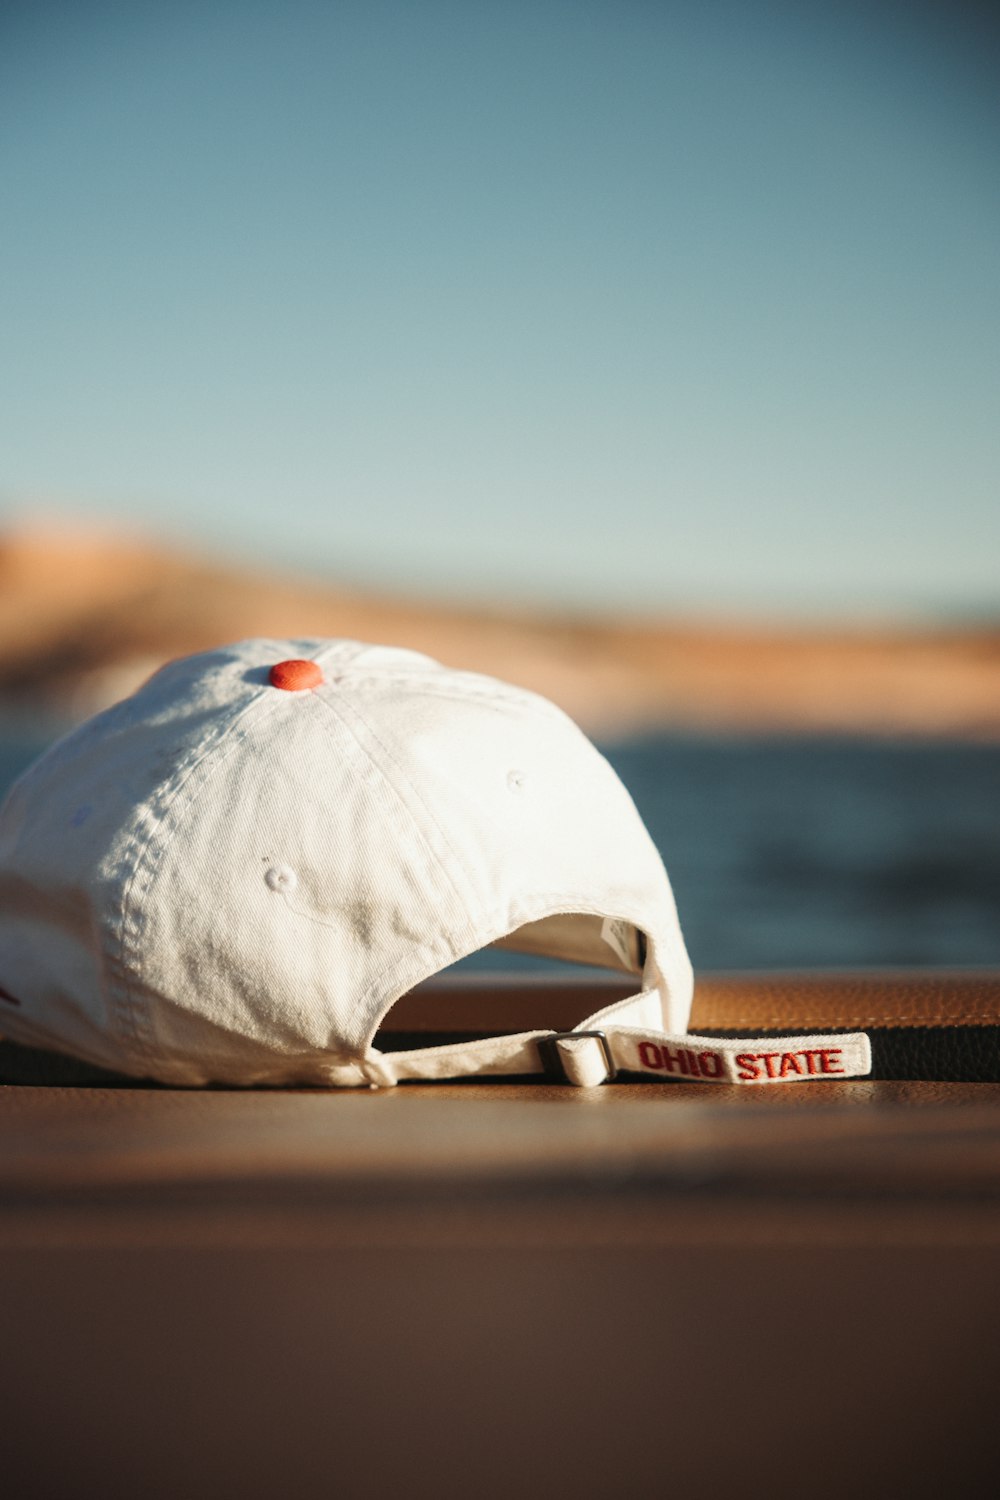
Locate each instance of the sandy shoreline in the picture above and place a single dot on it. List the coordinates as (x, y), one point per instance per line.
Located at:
(84, 618)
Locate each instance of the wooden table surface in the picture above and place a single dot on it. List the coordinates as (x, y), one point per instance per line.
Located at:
(485, 1289)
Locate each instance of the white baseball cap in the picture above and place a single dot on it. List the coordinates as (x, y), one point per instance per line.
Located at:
(232, 876)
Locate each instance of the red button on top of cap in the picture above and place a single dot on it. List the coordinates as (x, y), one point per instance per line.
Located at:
(294, 675)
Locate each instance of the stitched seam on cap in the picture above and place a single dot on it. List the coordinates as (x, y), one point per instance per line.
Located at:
(480, 689)
(130, 944)
(342, 712)
(335, 653)
(126, 963)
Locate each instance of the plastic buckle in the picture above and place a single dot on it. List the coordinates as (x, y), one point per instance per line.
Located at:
(552, 1059)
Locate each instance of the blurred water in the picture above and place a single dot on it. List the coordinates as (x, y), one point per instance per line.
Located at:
(16, 752)
(825, 852)
(803, 853)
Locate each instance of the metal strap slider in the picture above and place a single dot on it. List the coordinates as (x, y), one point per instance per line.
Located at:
(553, 1062)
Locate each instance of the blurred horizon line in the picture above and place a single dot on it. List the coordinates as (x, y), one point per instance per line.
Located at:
(36, 519)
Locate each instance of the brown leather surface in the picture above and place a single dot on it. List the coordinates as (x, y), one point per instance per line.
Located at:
(852, 1160)
(484, 1004)
(493, 1290)
(449, 1371)
(445, 1290)
(734, 1002)
(858, 1001)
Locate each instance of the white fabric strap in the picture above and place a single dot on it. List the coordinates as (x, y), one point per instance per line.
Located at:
(610, 1042)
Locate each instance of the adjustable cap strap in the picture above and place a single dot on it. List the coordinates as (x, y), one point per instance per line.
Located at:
(772, 1059)
(488, 1057)
(633, 1045)
(588, 1056)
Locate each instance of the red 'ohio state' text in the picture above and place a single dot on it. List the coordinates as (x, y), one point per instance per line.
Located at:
(752, 1067)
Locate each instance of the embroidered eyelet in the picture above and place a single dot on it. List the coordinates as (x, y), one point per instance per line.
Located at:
(281, 878)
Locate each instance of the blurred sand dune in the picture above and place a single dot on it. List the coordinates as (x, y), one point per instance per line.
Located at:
(85, 617)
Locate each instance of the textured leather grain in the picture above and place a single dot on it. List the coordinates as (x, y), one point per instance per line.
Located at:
(504, 1288)
(883, 999)
(846, 1142)
(923, 1024)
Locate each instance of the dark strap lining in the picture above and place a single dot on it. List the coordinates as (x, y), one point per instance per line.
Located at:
(944, 1054)
(941, 1054)
(32, 1066)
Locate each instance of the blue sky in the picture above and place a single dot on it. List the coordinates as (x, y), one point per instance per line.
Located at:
(665, 307)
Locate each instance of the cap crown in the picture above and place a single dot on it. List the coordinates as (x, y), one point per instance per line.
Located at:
(222, 880)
